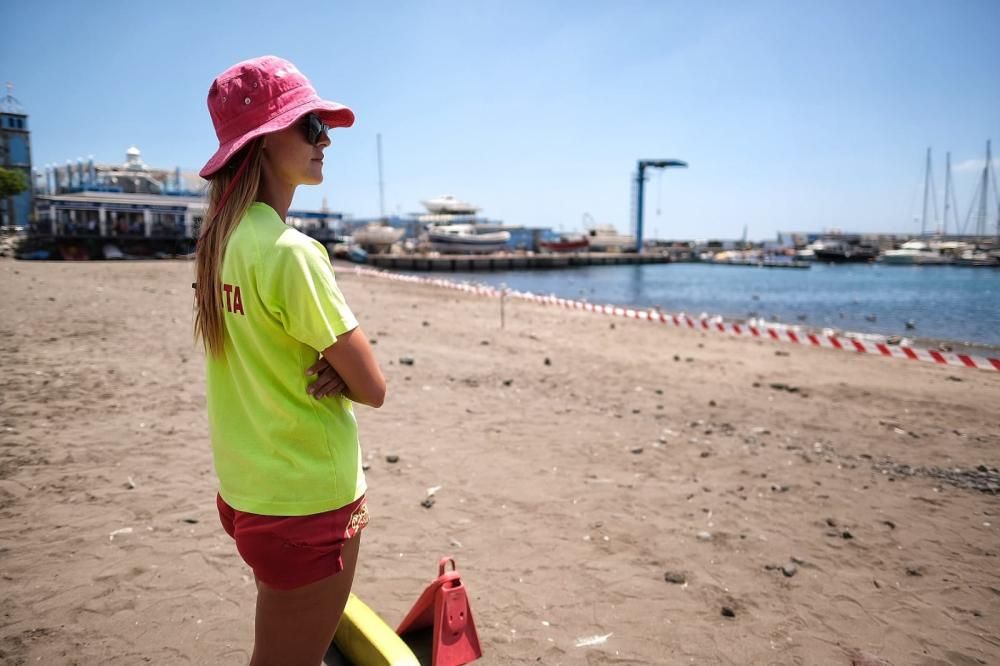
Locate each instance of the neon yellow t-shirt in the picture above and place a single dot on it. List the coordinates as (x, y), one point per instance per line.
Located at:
(278, 451)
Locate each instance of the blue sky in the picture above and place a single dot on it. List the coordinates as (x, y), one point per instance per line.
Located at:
(792, 115)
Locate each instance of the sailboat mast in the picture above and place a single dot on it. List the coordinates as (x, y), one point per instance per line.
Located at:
(981, 217)
(381, 195)
(927, 189)
(996, 193)
(947, 190)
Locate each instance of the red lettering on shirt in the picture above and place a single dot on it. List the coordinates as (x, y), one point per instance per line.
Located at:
(237, 301)
(234, 299)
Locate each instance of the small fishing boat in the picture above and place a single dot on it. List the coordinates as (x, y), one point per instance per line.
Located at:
(605, 238)
(465, 239)
(565, 243)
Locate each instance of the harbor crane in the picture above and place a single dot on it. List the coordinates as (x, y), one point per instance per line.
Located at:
(640, 184)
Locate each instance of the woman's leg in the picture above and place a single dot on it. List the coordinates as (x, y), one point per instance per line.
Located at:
(295, 627)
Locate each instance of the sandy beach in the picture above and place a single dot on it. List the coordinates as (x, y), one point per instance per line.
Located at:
(811, 506)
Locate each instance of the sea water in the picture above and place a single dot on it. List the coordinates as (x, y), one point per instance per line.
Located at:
(939, 302)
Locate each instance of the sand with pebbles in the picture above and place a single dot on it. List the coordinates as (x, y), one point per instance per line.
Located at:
(579, 463)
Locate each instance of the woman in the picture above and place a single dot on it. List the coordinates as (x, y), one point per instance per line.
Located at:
(291, 488)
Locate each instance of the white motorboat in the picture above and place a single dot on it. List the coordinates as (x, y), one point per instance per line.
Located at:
(915, 252)
(465, 239)
(447, 204)
(977, 258)
(808, 253)
(377, 236)
(605, 238)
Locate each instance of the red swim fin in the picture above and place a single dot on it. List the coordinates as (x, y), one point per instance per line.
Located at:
(444, 605)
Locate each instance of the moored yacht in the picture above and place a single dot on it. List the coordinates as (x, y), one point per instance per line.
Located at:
(841, 252)
(915, 252)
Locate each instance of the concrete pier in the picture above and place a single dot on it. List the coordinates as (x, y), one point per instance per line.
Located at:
(488, 262)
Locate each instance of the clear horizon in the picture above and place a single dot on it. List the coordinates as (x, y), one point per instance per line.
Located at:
(792, 118)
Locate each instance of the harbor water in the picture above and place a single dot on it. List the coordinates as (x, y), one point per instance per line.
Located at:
(940, 302)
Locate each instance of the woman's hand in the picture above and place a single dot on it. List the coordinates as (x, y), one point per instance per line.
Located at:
(328, 381)
(355, 362)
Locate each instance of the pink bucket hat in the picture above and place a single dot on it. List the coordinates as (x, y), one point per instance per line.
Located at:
(260, 96)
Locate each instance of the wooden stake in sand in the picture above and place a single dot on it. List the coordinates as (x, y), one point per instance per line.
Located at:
(503, 301)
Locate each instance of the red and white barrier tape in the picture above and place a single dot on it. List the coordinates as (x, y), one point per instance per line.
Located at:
(767, 331)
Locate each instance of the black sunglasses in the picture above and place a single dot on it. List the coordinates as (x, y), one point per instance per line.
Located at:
(314, 128)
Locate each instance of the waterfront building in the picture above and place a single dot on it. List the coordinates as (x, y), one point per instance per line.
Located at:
(145, 209)
(15, 155)
(127, 200)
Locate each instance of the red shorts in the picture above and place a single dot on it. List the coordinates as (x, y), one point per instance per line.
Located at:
(286, 552)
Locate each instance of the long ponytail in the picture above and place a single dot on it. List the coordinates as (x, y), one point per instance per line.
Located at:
(241, 179)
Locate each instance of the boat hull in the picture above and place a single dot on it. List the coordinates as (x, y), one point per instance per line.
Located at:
(603, 246)
(468, 243)
(842, 258)
(384, 236)
(604, 238)
(564, 246)
(466, 247)
(978, 261)
(913, 260)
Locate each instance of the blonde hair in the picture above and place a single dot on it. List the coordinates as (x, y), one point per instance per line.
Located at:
(216, 229)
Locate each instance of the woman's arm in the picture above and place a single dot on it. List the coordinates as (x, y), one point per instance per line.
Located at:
(353, 359)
